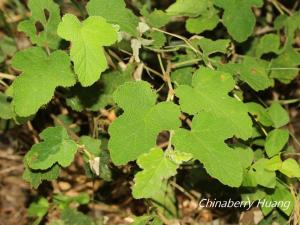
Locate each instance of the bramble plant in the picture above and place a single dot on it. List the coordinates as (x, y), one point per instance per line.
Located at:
(164, 97)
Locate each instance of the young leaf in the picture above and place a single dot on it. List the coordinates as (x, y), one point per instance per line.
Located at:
(73, 217)
(115, 12)
(281, 195)
(209, 92)
(36, 177)
(209, 46)
(142, 220)
(41, 74)
(157, 18)
(206, 143)
(260, 113)
(57, 147)
(278, 115)
(262, 175)
(39, 208)
(156, 167)
(208, 20)
(88, 39)
(290, 168)
(238, 17)
(92, 145)
(275, 141)
(190, 8)
(135, 132)
(47, 14)
(268, 43)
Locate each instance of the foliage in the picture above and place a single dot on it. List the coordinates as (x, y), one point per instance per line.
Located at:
(169, 100)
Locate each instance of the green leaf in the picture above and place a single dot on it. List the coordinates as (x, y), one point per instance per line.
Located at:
(178, 157)
(281, 197)
(157, 18)
(142, 120)
(263, 176)
(290, 168)
(238, 17)
(284, 195)
(209, 93)
(275, 141)
(278, 115)
(209, 46)
(206, 143)
(39, 208)
(253, 71)
(191, 8)
(64, 201)
(266, 44)
(260, 113)
(285, 67)
(104, 170)
(57, 147)
(6, 111)
(245, 156)
(182, 76)
(158, 38)
(147, 220)
(274, 163)
(87, 40)
(208, 20)
(36, 177)
(115, 12)
(73, 217)
(47, 14)
(165, 201)
(41, 74)
(142, 220)
(156, 168)
(99, 95)
(7, 47)
(291, 25)
(91, 144)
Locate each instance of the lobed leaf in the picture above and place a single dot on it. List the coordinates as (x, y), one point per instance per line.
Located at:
(42, 25)
(88, 39)
(156, 168)
(57, 147)
(41, 74)
(209, 93)
(115, 12)
(136, 130)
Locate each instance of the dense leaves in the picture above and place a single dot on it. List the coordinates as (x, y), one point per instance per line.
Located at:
(163, 97)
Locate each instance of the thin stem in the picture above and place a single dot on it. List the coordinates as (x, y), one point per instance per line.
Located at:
(185, 63)
(277, 6)
(7, 76)
(181, 189)
(167, 78)
(73, 135)
(181, 38)
(154, 71)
